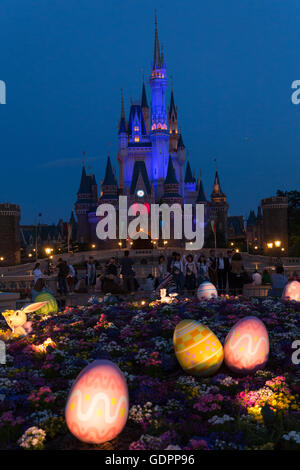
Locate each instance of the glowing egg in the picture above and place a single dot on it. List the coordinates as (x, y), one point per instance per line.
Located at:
(198, 350)
(97, 405)
(292, 291)
(51, 306)
(206, 290)
(246, 347)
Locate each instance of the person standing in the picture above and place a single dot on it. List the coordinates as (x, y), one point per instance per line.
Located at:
(212, 267)
(71, 278)
(228, 270)
(190, 272)
(176, 268)
(257, 278)
(63, 271)
(202, 268)
(221, 274)
(37, 272)
(91, 272)
(127, 272)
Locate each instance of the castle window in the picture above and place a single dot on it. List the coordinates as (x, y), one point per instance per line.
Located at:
(136, 138)
(136, 128)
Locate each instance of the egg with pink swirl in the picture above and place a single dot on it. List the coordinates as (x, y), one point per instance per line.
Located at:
(97, 405)
(292, 291)
(246, 347)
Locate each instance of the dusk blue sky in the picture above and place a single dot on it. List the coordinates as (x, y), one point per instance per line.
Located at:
(64, 62)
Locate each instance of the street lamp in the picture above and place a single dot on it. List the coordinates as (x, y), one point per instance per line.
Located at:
(2, 258)
(48, 250)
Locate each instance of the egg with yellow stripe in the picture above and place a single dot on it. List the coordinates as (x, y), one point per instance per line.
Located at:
(198, 350)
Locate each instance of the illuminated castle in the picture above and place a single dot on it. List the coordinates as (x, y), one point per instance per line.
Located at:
(152, 163)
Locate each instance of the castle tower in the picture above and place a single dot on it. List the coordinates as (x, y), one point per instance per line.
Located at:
(275, 221)
(9, 234)
(173, 125)
(159, 130)
(145, 108)
(123, 144)
(85, 203)
(171, 196)
(219, 211)
(201, 199)
(108, 195)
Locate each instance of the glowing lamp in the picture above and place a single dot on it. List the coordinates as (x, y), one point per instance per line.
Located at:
(198, 350)
(277, 243)
(246, 347)
(292, 291)
(207, 290)
(97, 405)
(270, 245)
(51, 305)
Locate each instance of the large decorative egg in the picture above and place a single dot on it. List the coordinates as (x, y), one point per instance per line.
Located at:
(198, 350)
(246, 347)
(292, 291)
(207, 290)
(97, 405)
(50, 307)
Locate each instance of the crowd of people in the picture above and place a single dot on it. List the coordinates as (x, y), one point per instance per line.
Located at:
(185, 272)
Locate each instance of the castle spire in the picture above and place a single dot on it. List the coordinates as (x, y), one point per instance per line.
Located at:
(110, 178)
(156, 58)
(144, 102)
(122, 123)
(201, 193)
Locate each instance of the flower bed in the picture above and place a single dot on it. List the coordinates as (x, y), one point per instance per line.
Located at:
(168, 408)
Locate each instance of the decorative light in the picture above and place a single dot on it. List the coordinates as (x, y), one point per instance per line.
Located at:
(48, 250)
(256, 247)
(97, 405)
(30, 255)
(93, 245)
(246, 347)
(282, 249)
(140, 193)
(270, 245)
(165, 242)
(277, 243)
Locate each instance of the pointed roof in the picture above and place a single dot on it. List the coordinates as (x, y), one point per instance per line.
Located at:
(217, 185)
(136, 109)
(109, 179)
(72, 220)
(189, 178)
(251, 219)
(180, 144)
(85, 183)
(259, 213)
(122, 123)
(156, 57)
(140, 169)
(144, 102)
(201, 194)
(171, 175)
(172, 103)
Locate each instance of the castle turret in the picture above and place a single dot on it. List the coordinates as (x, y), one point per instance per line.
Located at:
(159, 130)
(219, 211)
(9, 234)
(145, 107)
(84, 204)
(123, 143)
(173, 124)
